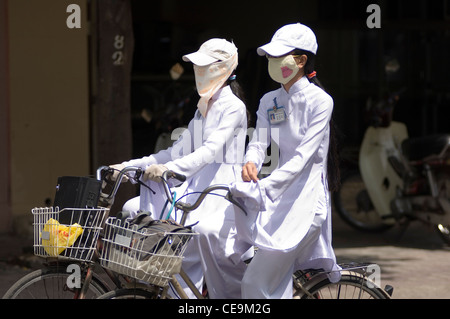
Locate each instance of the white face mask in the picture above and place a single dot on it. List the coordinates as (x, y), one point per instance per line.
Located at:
(210, 78)
(283, 69)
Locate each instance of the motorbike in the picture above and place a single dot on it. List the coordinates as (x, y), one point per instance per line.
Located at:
(397, 179)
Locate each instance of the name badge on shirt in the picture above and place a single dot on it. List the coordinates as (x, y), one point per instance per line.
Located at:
(277, 114)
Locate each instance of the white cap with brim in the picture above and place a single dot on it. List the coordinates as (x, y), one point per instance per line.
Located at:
(199, 58)
(288, 38)
(211, 51)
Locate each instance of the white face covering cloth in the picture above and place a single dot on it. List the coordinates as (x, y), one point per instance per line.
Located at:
(283, 69)
(210, 78)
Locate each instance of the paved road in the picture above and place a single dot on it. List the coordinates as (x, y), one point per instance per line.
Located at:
(417, 264)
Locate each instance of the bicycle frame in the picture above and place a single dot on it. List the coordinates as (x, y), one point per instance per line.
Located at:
(186, 209)
(108, 199)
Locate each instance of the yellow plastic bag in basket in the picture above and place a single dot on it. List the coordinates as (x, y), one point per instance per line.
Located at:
(56, 237)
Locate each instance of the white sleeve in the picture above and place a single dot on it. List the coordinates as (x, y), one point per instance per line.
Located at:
(282, 178)
(256, 149)
(213, 146)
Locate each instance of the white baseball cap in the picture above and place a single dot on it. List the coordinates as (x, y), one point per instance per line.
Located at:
(288, 38)
(212, 51)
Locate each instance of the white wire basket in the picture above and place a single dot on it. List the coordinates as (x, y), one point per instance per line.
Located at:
(70, 233)
(146, 255)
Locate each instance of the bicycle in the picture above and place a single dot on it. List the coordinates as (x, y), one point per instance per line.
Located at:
(53, 280)
(71, 270)
(355, 280)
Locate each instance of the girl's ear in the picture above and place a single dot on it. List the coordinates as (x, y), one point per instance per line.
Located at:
(301, 60)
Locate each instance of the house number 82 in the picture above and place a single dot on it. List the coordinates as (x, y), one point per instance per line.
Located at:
(119, 43)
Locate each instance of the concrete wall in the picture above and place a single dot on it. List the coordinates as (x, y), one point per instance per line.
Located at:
(48, 102)
(5, 194)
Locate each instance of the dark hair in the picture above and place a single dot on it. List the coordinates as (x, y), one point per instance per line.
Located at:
(333, 171)
(239, 92)
(236, 87)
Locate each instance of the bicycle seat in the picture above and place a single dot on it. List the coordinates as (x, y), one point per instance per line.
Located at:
(421, 147)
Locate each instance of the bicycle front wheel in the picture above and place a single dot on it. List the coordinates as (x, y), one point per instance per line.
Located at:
(53, 283)
(349, 287)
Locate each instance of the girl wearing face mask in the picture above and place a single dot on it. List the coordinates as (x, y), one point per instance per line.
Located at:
(209, 152)
(289, 212)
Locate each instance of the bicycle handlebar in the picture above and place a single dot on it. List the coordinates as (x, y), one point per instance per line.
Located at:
(109, 199)
(185, 207)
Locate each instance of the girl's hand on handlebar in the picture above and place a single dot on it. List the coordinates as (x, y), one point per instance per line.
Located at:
(154, 172)
(116, 170)
(250, 172)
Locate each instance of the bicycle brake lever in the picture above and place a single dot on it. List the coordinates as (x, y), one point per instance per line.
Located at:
(138, 173)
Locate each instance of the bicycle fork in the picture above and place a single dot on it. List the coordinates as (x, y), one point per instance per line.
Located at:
(86, 283)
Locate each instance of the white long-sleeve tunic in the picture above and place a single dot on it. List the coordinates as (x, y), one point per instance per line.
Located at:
(283, 206)
(210, 151)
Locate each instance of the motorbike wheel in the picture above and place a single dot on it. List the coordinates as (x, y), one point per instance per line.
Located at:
(354, 206)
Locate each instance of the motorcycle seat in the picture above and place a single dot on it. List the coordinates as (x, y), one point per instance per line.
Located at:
(419, 148)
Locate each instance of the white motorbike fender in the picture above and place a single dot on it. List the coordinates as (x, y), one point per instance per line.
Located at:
(379, 177)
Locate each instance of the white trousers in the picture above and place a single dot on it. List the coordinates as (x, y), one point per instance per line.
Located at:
(269, 274)
(222, 257)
